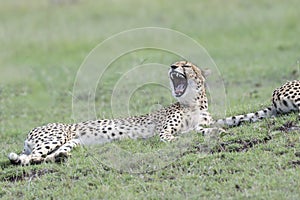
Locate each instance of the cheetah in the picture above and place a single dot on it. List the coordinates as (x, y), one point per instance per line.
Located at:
(54, 141)
(285, 99)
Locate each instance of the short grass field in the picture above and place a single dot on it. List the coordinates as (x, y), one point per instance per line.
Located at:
(255, 46)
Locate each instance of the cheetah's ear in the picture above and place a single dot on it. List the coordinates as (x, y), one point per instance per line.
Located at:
(206, 72)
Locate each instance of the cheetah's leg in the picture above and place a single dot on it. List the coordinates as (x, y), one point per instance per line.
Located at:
(24, 159)
(63, 151)
(21, 159)
(34, 154)
(166, 135)
(207, 131)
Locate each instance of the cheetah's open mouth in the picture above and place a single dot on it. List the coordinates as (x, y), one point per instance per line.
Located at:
(179, 83)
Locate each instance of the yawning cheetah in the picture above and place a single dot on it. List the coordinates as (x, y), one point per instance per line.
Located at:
(56, 140)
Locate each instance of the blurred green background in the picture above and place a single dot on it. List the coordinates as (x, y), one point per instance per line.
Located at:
(255, 45)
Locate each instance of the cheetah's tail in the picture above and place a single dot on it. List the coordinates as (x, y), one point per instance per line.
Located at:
(250, 117)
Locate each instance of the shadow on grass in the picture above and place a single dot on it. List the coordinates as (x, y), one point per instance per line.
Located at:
(14, 175)
(240, 145)
(5, 164)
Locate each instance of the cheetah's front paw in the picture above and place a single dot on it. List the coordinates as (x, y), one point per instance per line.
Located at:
(57, 157)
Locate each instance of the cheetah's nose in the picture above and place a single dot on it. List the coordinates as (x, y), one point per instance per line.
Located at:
(174, 66)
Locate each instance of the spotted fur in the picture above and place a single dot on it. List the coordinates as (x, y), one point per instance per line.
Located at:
(54, 141)
(284, 100)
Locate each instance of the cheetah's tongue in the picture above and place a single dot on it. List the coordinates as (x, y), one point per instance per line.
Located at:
(179, 89)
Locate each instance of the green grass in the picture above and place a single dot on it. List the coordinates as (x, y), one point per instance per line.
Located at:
(255, 45)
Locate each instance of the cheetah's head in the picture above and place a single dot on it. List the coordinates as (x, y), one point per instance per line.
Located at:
(187, 82)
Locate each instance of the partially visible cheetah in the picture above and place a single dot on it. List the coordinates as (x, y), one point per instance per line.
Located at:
(285, 99)
(56, 140)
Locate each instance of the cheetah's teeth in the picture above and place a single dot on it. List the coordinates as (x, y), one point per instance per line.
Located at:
(176, 75)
